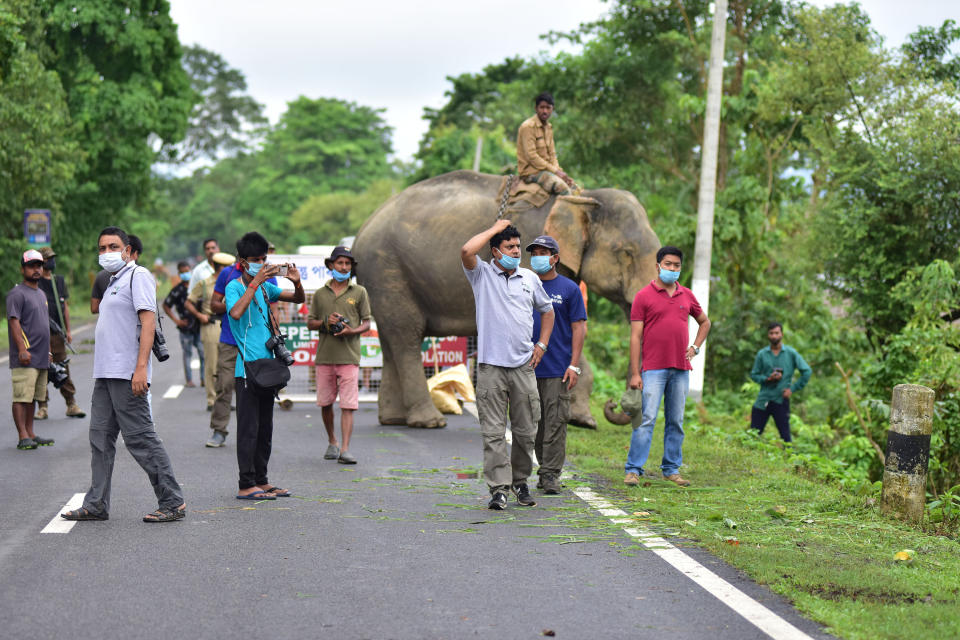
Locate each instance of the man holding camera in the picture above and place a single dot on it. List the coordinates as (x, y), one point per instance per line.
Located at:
(28, 331)
(248, 301)
(773, 370)
(340, 311)
(55, 288)
(124, 339)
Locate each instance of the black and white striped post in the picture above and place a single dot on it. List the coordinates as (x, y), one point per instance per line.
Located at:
(908, 451)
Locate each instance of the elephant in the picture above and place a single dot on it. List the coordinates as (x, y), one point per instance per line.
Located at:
(408, 258)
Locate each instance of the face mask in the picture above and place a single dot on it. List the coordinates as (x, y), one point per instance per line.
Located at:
(340, 277)
(669, 277)
(508, 262)
(540, 264)
(112, 261)
(50, 264)
(253, 268)
(185, 276)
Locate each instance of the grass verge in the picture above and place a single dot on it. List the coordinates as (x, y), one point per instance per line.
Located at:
(829, 552)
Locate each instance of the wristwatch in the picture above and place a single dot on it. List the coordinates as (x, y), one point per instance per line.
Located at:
(696, 349)
(576, 370)
(542, 346)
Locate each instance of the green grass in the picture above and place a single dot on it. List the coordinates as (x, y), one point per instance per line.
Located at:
(828, 551)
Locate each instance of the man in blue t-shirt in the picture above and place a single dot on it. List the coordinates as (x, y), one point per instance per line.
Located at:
(226, 358)
(559, 368)
(247, 302)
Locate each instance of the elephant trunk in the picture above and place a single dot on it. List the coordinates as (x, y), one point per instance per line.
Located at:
(612, 415)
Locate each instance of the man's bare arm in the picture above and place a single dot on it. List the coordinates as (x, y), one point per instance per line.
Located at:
(469, 251)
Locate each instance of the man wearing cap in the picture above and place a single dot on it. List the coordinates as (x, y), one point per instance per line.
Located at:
(205, 267)
(198, 305)
(660, 364)
(340, 311)
(536, 155)
(55, 288)
(187, 325)
(559, 369)
(28, 331)
(506, 296)
(226, 356)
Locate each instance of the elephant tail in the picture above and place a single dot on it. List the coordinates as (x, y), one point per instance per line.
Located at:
(612, 415)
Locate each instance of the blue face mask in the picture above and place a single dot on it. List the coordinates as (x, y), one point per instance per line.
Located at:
(669, 277)
(253, 268)
(185, 276)
(540, 264)
(508, 262)
(340, 277)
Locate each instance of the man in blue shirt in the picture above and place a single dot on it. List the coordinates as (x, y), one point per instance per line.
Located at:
(248, 313)
(559, 368)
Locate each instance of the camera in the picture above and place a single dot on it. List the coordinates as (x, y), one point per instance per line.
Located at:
(159, 347)
(57, 373)
(277, 344)
(340, 325)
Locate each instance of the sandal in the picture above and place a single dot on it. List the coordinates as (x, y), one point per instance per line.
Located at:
(165, 514)
(278, 492)
(256, 495)
(82, 514)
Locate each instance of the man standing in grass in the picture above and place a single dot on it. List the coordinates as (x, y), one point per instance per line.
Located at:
(658, 337)
(773, 370)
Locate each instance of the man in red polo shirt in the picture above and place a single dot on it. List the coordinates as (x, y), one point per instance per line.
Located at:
(658, 324)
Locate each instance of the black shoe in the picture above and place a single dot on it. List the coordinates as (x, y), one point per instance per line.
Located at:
(550, 483)
(523, 495)
(498, 502)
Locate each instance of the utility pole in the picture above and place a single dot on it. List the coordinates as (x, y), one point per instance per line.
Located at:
(703, 251)
(479, 152)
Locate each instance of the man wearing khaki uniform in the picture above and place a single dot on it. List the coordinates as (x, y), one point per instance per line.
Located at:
(198, 304)
(506, 296)
(536, 155)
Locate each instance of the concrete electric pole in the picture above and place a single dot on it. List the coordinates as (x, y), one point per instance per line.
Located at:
(708, 187)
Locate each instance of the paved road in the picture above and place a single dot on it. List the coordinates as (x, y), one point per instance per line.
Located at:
(400, 546)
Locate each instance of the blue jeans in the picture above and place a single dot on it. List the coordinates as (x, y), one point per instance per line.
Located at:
(187, 342)
(670, 384)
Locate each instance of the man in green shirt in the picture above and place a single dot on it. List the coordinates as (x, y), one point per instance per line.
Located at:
(773, 370)
(340, 311)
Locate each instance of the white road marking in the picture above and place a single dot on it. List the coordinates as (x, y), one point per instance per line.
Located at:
(173, 392)
(58, 524)
(195, 363)
(754, 612)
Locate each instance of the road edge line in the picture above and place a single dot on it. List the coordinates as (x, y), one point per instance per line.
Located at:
(58, 524)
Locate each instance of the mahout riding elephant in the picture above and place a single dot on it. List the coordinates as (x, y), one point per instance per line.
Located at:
(408, 258)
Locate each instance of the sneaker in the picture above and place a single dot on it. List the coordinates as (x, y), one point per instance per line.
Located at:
(40, 413)
(216, 440)
(631, 479)
(550, 483)
(523, 495)
(27, 443)
(74, 411)
(43, 442)
(333, 452)
(498, 502)
(346, 457)
(676, 479)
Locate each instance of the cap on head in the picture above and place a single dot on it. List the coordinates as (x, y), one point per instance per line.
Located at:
(546, 242)
(31, 255)
(47, 252)
(223, 258)
(339, 251)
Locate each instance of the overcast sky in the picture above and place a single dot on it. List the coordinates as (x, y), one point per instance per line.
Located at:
(396, 54)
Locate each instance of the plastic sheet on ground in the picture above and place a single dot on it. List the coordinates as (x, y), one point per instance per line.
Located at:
(445, 386)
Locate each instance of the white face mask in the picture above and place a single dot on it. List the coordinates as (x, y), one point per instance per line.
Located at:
(112, 261)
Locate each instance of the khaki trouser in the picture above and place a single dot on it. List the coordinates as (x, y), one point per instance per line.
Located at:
(210, 337)
(500, 388)
(551, 441)
(551, 182)
(58, 349)
(226, 363)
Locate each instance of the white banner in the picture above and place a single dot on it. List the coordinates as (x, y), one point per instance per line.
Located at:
(313, 273)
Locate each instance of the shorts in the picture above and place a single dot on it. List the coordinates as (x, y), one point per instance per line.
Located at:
(338, 379)
(29, 384)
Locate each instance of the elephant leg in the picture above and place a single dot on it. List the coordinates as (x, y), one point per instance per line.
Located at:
(390, 399)
(580, 415)
(401, 345)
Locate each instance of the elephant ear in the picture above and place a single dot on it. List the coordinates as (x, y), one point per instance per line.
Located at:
(567, 223)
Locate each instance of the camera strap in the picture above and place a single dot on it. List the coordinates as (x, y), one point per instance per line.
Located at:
(155, 310)
(273, 325)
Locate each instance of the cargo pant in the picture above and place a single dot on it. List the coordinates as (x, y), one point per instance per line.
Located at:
(226, 381)
(503, 391)
(551, 182)
(210, 337)
(551, 440)
(58, 349)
